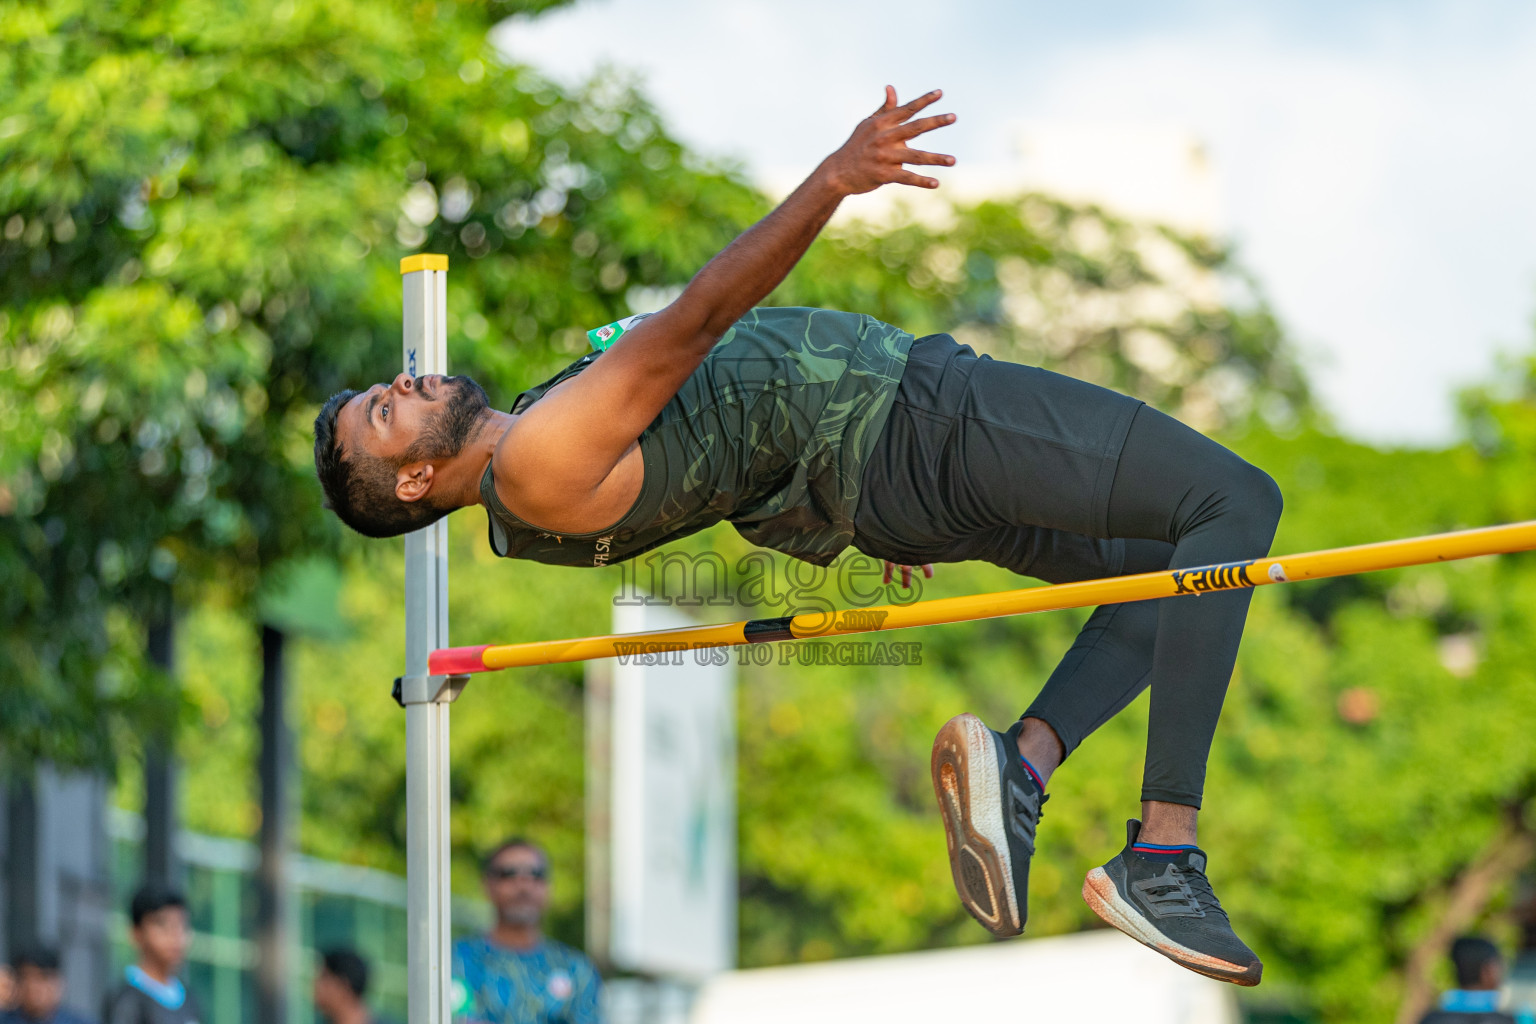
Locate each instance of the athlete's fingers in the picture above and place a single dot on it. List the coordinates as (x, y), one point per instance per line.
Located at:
(889, 103)
(922, 101)
(922, 124)
(906, 572)
(905, 177)
(922, 156)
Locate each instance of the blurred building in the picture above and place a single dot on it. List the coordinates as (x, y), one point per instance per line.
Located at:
(55, 882)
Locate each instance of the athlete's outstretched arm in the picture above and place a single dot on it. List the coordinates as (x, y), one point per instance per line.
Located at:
(568, 442)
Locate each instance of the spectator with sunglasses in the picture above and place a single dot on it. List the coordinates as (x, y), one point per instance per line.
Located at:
(515, 974)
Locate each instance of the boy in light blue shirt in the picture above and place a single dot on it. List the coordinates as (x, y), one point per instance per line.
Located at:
(1477, 997)
(153, 994)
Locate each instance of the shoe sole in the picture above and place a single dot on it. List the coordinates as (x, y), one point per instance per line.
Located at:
(1103, 898)
(968, 786)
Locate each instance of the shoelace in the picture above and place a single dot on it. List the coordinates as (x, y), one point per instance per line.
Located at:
(1199, 888)
(1170, 893)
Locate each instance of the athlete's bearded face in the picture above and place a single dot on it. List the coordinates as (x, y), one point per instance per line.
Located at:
(413, 419)
(450, 420)
(377, 452)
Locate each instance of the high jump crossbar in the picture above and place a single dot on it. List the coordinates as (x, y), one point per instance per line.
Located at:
(1312, 565)
(437, 673)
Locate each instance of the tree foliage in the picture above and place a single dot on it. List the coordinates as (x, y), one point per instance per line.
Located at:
(202, 208)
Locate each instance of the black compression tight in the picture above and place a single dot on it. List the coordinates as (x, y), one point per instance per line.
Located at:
(1180, 500)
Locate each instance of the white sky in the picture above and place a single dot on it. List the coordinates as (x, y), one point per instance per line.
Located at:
(1375, 161)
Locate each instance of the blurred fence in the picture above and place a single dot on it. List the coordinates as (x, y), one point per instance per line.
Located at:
(333, 905)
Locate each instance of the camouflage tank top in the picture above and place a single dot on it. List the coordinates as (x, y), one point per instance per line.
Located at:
(770, 433)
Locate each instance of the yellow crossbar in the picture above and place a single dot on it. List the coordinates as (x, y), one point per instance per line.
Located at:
(1313, 565)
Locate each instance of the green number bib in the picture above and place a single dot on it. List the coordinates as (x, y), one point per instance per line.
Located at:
(603, 338)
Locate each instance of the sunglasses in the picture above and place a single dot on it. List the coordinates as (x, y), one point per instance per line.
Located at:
(514, 871)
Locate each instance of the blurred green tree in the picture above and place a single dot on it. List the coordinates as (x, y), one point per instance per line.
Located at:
(201, 210)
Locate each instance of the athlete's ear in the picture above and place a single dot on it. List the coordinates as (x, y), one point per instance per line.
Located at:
(414, 481)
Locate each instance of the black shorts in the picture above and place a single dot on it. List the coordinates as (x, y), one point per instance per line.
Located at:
(995, 461)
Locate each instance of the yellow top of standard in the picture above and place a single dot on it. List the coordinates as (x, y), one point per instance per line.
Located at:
(424, 261)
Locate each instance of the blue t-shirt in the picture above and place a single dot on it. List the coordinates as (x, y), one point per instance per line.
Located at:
(550, 984)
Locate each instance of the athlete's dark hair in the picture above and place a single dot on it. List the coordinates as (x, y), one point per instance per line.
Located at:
(1471, 954)
(151, 899)
(349, 967)
(513, 843)
(360, 488)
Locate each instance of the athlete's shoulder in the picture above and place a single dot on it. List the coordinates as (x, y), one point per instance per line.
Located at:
(526, 398)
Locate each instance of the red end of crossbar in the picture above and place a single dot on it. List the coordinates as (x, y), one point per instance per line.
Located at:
(455, 661)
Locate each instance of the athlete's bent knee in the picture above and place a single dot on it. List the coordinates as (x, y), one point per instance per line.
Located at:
(1264, 494)
(1256, 498)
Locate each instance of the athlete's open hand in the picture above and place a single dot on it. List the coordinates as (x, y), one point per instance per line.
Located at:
(877, 151)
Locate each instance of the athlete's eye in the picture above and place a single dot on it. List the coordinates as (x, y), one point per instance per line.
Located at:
(384, 412)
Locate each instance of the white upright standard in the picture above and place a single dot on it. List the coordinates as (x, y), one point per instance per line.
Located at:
(426, 698)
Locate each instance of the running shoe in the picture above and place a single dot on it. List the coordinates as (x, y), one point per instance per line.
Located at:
(991, 805)
(1168, 904)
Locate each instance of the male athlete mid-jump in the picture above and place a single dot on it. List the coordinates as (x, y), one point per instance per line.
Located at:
(812, 430)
